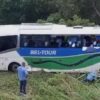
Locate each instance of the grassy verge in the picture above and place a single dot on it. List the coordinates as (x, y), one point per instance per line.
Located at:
(47, 86)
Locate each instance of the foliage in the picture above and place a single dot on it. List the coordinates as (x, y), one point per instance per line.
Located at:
(56, 11)
(76, 20)
(41, 21)
(54, 18)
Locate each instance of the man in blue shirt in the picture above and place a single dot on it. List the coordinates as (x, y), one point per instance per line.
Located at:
(22, 76)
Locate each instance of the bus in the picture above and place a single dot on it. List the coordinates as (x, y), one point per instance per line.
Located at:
(50, 47)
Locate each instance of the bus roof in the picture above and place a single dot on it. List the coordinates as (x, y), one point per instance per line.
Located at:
(8, 30)
(43, 29)
(47, 28)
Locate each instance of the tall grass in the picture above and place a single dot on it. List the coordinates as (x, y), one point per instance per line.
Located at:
(47, 86)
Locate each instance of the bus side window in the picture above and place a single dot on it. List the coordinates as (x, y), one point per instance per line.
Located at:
(8, 42)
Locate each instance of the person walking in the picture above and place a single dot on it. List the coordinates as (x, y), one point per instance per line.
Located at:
(22, 76)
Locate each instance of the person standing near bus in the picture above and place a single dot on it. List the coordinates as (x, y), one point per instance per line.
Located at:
(22, 76)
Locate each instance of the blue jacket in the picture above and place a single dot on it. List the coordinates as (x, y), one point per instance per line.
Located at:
(22, 73)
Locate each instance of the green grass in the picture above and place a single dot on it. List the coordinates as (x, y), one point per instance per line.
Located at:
(47, 86)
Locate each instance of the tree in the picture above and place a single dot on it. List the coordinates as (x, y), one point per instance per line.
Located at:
(54, 18)
(79, 21)
(67, 8)
(90, 9)
(57, 11)
(9, 11)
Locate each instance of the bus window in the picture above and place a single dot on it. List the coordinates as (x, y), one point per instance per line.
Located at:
(35, 41)
(57, 41)
(8, 42)
(50, 41)
(74, 41)
(98, 40)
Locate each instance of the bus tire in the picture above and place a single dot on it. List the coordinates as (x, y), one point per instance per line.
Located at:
(13, 66)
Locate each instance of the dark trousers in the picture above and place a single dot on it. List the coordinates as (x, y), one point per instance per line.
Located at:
(23, 86)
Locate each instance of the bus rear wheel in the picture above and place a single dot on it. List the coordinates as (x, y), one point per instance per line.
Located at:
(13, 67)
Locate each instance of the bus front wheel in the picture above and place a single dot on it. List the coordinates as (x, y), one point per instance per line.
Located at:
(13, 67)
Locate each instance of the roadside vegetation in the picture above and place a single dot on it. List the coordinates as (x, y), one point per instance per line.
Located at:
(48, 86)
(69, 12)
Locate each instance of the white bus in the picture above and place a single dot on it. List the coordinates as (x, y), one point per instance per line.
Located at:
(50, 47)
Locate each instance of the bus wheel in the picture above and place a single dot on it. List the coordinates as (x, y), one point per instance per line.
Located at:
(13, 67)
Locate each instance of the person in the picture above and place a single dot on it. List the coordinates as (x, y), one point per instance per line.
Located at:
(91, 76)
(22, 76)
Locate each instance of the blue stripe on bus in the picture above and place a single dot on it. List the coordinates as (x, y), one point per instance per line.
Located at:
(50, 52)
